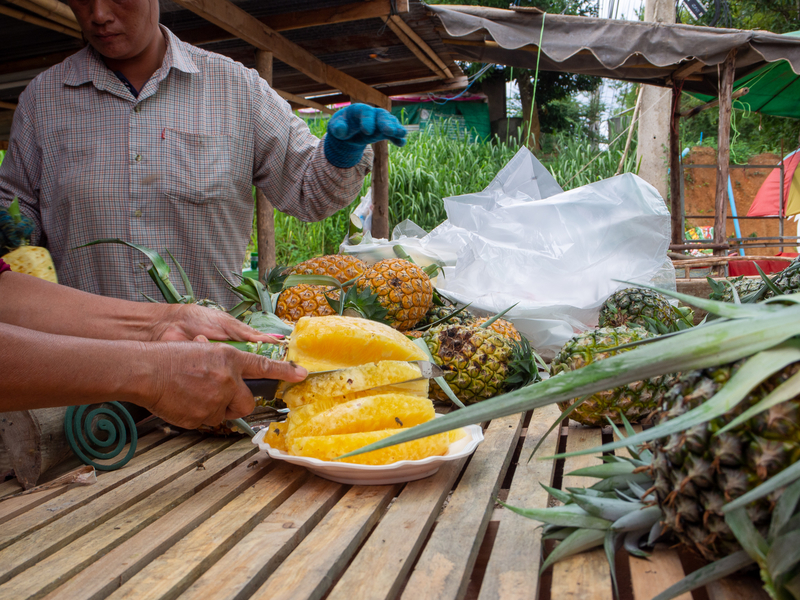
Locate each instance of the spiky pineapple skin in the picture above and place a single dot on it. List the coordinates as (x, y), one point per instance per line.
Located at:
(403, 289)
(32, 260)
(696, 471)
(787, 280)
(637, 400)
(343, 267)
(304, 300)
(630, 307)
(476, 361)
(501, 326)
(437, 313)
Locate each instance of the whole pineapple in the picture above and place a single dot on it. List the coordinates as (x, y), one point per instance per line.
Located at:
(342, 267)
(695, 473)
(743, 285)
(477, 361)
(637, 400)
(305, 300)
(633, 306)
(402, 288)
(502, 327)
(15, 232)
(788, 280)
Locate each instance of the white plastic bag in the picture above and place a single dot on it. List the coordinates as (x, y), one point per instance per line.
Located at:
(556, 257)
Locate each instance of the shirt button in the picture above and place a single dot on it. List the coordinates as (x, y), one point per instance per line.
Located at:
(137, 108)
(138, 158)
(137, 213)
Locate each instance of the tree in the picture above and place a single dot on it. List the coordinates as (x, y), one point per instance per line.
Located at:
(550, 86)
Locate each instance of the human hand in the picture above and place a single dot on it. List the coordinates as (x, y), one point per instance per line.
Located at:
(187, 322)
(355, 126)
(202, 383)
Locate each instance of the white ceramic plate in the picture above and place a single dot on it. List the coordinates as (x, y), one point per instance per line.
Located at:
(404, 470)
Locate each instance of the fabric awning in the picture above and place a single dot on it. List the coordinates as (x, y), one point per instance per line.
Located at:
(652, 53)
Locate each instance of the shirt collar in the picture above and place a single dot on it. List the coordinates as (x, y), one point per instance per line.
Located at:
(87, 66)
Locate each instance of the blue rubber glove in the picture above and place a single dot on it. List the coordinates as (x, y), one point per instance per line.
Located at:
(353, 127)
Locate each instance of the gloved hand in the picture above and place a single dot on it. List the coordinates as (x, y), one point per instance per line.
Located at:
(353, 127)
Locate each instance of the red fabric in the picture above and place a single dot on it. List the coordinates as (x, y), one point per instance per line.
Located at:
(4, 266)
(748, 267)
(768, 198)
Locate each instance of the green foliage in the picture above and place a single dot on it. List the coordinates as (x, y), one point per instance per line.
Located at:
(2, 156)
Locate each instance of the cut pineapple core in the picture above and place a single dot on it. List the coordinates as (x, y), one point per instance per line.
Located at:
(334, 342)
(329, 447)
(356, 382)
(371, 413)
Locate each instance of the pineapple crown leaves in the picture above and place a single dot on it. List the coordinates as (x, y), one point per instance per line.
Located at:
(15, 227)
(251, 292)
(499, 315)
(275, 278)
(364, 303)
(159, 271)
(524, 366)
(744, 331)
(455, 312)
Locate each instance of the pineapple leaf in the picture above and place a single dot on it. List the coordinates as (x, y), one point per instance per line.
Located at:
(641, 519)
(238, 310)
(768, 282)
(440, 381)
(570, 515)
(786, 391)
(747, 535)
(559, 495)
(499, 315)
(606, 508)
(610, 544)
(326, 280)
(784, 510)
(713, 344)
(782, 556)
(186, 283)
(169, 296)
(631, 544)
(578, 541)
(558, 421)
(788, 476)
(708, 574)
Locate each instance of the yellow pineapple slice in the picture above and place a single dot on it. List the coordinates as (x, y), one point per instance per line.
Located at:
(32, 260)
(356, 382)
(276, 436)
(370, 413)
(328, 447)
(335, 342)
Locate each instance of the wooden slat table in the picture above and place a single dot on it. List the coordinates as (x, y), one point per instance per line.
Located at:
(196, 517)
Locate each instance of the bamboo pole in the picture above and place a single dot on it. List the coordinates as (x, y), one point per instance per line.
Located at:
(675, 200)
(265, 212)
(630, 131)
(380, 190)
(48, 14)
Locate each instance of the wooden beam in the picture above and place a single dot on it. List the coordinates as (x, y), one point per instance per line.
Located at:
(723, 148)
(265, 212)
(47, 13)
(235, 20)
(38, 62)
(16, 14)
(698, 109)
(419, 87)
(380, 190)
(294, 99)
(423, 45)
(409, 43)
(8, 105)
(689, 68)
(58, 8)
(301, 19)
(675, 199)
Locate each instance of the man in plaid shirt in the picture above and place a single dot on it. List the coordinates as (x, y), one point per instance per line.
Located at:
(142, 137)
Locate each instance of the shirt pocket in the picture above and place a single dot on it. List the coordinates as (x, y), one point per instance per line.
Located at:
(198, 167)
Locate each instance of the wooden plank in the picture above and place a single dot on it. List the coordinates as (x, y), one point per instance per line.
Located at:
(444, 567)
(176, 569)
(59, 8)
(325, 552)
(9, 487)
(304, 102)
(47, 13)
(652, 576)
(585, 576)
(248, 564)
(54, 536)
(409, 43)
(513, 568)
(381, 566)
(13, 507)
(8, 105)
(76, 498)
(737, 588)
(230, 17)
(99, 541)
(422, 44)
(18, 14)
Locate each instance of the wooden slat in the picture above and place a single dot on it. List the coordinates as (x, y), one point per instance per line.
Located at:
(513, 568)
(444, 567)
(95, 545)
(13, 507)
(586, 575)
(737, 588)
(304, 102)
(47, 24)
(9, 487)
(176, 569)
(654, 575)
(47, 13)
(248, 564)
(54, 536)
(398, 21)
(8, 105)
(325, 552)
(409, 43)
(75, 498)
(230, 17)
(387, 556)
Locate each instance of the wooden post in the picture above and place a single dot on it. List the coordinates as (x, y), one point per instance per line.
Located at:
(265, 213)
(723, 149)
(380, 190)
(675, 199)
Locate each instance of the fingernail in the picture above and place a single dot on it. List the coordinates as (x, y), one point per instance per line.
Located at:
(277, 336)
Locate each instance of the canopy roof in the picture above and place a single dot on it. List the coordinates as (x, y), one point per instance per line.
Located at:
(652, 53)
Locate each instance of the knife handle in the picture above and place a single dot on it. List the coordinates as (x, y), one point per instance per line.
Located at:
(265, 388)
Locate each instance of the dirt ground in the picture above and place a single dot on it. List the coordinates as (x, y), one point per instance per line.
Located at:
(699, 190)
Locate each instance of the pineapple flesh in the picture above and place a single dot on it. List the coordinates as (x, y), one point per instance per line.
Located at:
(32, 260)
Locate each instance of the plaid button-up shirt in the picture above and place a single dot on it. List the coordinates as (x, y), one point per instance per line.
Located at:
(172, 169)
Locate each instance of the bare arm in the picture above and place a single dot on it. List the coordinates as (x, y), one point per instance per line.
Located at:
(43, 306)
